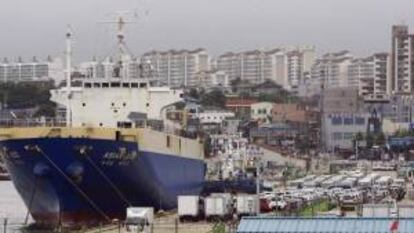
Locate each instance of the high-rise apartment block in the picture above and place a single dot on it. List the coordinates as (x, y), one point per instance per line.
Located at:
(331, 70)
(371, 76)
(177, 68)
(402, 61)
(284, 66)
(34, 70)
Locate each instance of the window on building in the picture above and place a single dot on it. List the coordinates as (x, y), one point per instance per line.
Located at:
(337, 136)
(115, 84)
(348, 136)
(359, 120)
(348, 121)
(336, 120)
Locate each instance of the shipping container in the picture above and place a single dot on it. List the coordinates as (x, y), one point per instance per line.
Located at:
(218, 206)
(246, 204)
(190, 207)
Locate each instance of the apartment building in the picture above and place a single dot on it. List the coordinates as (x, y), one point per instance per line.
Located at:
(98, 69)
(285, 66)
(33, 70)
(212, 79)
(402, 61)
(177, 68)
(331, 70)
(371, 76)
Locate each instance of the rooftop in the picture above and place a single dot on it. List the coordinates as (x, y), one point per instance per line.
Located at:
(323, 225)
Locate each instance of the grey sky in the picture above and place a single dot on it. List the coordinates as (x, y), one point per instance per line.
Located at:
(36, 27)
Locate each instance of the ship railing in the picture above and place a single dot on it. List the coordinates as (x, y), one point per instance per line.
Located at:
(32, 122)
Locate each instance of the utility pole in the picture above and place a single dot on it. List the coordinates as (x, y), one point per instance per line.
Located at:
(258, 186)
(322, 120)
(257, 154)
(68, 54)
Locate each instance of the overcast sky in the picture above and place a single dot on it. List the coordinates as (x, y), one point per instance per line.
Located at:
(36, 27)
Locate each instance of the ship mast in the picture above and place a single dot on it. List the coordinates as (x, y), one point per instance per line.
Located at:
(121, 35)
(120, 21)
(68, 54)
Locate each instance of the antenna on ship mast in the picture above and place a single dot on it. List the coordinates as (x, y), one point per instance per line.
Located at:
(68, 54)
(121, 21)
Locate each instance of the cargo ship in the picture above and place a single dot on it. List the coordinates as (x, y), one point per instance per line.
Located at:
(112, 152)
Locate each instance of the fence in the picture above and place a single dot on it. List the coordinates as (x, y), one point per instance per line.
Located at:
(159, 226)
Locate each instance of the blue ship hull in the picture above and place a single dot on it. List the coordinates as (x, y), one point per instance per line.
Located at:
(88, 181)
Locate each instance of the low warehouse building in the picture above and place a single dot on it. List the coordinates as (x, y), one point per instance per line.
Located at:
(325, 225)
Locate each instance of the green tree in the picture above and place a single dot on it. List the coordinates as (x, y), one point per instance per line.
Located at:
(235, 83)
(380, 139)
(29, 95)
(215, 98)
(359, 137)
(193, 93)
(219, 227)
(369, 138)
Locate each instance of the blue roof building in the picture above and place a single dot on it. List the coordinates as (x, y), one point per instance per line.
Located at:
(323, 225)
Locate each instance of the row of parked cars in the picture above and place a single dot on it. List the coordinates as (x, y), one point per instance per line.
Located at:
(348, 189)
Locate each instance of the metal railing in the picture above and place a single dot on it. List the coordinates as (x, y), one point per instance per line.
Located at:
(32, 122)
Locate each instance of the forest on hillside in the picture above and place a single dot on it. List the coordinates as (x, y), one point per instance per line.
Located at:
(28, 95)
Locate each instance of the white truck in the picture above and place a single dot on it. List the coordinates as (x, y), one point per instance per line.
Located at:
(246, 204)
(189, 207)
(218, 206)
(139, 219)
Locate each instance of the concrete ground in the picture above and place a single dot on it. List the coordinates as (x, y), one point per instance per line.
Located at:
(163, 224)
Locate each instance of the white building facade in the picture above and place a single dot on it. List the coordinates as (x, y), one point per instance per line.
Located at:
(402, 60)
(331, 70)
(262, 112)
(34, 70)
(212, 79)
(213, 116)
(371, 76)
(177, 68)
(284, 66)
